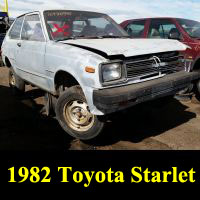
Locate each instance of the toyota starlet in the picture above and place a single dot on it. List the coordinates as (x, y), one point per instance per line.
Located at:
(89, 67)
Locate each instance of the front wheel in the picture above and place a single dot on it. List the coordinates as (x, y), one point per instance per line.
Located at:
(74, 116)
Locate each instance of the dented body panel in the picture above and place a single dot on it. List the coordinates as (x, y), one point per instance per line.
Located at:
(129, 47)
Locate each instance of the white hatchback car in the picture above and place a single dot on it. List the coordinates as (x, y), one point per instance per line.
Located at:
(90, 67)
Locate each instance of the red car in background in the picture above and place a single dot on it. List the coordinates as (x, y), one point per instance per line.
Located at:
(184, 30)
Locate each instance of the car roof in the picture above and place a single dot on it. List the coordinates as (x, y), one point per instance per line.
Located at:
(176, 18)
(43, 10)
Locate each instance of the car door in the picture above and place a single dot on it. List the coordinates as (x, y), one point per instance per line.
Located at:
(31, 54)
(136, 29)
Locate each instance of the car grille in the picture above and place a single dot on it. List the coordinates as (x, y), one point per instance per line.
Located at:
(154, 65)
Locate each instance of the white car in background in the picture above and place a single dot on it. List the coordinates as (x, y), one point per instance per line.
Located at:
(89, 67)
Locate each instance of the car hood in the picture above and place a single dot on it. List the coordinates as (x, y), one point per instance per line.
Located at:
(128, 47)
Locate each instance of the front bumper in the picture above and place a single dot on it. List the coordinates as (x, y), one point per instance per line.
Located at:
(115, 99)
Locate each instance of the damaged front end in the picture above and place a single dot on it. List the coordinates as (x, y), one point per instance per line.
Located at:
(145, 78)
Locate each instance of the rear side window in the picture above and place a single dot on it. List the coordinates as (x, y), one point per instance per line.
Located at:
(161, 28)
(136, 29)
(16, 29)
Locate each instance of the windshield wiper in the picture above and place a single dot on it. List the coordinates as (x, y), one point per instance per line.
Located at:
(113, 36)
(67, 38)
(90, 37)
(78, 37)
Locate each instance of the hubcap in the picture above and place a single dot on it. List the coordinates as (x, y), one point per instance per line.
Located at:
(78, 116)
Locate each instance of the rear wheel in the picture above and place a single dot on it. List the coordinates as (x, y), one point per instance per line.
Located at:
(74, 116)
(16, 83)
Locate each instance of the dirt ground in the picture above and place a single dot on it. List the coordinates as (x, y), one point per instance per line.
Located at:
(23, 127)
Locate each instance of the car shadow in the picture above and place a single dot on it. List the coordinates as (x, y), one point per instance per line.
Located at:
(142, 122)
(23, 127)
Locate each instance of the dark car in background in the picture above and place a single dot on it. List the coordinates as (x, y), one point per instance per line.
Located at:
(4, 26)
(184, 30)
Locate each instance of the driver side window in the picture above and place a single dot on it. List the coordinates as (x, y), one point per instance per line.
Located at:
(32, 29)
(136, 29)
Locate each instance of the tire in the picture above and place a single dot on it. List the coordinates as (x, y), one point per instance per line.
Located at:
(50, 104)
(197, 90)
(16, 83)
(73, 114)
(187, 90)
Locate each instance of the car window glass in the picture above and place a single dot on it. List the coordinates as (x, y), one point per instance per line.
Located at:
(100, 23)
(16, 28)
(63, 25)
(32, 29)
(136, 29)
(191, 27)
(161, 28)
(78, 27)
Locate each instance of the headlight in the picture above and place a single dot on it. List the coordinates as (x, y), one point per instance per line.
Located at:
(111, 72)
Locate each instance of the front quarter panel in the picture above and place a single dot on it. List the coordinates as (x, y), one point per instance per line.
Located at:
(63, 57)
(73, 60)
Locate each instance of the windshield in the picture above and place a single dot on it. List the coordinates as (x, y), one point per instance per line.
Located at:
(63, 25)
(191, 27)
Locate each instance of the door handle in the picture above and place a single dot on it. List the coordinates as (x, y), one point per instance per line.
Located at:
(19, 44)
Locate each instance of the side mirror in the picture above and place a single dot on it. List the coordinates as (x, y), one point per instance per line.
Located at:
(175, 36)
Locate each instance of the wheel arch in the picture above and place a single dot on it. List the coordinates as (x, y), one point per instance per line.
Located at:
(7, 62)
(62, 77)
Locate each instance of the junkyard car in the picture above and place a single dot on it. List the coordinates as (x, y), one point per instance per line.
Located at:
(89, 67)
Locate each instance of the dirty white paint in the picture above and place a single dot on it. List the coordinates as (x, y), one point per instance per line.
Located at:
(130, 47)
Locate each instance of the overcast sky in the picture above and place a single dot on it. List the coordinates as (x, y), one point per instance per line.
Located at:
(120, 10)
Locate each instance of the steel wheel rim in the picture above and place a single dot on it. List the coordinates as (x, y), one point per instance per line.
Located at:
(78, 116)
